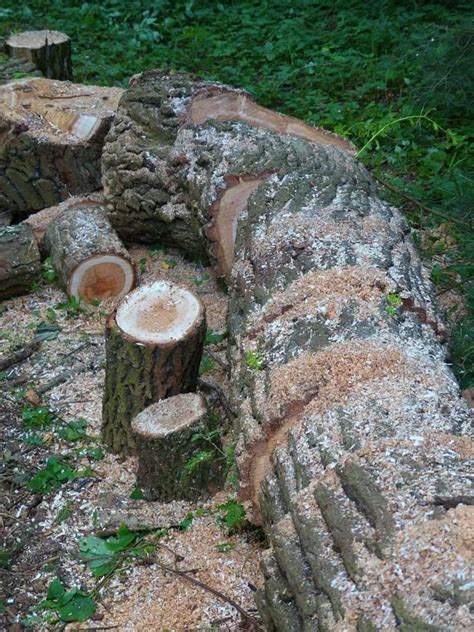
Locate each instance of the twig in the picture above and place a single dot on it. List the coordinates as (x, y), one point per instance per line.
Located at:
(18, 356)
(450, 502)
(423, 207)
(221, 363)
(210, 386)
(214, 592)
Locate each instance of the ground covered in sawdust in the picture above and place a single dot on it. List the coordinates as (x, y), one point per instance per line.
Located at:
(47, 508)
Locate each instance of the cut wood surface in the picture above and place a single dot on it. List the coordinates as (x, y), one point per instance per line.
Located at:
(91, 261)
(167, 439)
(154, 344)
(49, 51)
(51, 141)
(349, 421)
(20, 263)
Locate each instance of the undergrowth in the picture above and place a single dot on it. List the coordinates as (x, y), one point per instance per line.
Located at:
(395, 78)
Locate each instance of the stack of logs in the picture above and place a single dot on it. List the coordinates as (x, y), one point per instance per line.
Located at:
(352, 441)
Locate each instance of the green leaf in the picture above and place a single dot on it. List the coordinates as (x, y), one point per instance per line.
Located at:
(47, 331)
(232, 514)
(201, 457)
(137, 494)
(78, 608)
(56, 590)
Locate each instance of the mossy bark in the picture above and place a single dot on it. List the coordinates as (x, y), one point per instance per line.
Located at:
(138, 375)
(20, 263)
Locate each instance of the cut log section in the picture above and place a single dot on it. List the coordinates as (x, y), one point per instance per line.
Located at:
(154, 343)
(49, 51)
(91, 261)
(51, 137)
(166, 439)
(20, 263)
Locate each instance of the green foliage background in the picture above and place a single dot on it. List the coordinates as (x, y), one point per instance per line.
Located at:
(353, 66)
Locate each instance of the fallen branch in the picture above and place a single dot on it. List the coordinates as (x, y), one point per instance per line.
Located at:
(18, 356)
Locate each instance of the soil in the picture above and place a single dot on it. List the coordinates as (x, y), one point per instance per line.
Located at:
(41, 532)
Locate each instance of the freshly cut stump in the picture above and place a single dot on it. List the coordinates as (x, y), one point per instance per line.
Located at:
(154, 343)
(51, 137)
(20, 262)
(50, 51)
(90, 259)
(164, 437)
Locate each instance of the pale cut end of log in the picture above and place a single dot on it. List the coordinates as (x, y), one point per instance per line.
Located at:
(154, 344)
(160, 313)
(90, 259)
(49, 51)
(165, 434)
(225, 213)
(238, 106)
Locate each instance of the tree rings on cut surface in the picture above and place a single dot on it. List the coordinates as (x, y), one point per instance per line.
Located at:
(170, 438)
(90, 259)
(154, 345)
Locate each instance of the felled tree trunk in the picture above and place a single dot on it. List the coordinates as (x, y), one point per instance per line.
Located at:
(91, 261)
(170, 439)
(20, 263)
(49, 51)
(349, 421)
(51, 137)
(154, 344)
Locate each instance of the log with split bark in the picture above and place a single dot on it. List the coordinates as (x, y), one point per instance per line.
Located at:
(154, 343)
(51, 137)
(170, 436)
(91, 261)
(349, 420)
(20, 262)
(49, 51)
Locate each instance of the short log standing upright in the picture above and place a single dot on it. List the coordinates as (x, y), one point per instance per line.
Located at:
(154, 343)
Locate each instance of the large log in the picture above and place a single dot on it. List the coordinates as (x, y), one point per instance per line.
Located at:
(91, 261)
(49, 51)
(168, 436)
(154, 343)
(20, 263)
(51, 137)
(350, 424)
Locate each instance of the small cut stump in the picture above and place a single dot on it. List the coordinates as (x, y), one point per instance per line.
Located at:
(49, 51)
(90, 259)
(20, 262)
(164, 437)
(154, 343)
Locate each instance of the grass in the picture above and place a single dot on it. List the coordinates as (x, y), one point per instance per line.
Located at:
(395, 78)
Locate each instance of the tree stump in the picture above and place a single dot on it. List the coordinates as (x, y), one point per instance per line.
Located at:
(51, 137)
(154, 343)
(20, 262)
(88, 256)
(49, 51)
(167, 439)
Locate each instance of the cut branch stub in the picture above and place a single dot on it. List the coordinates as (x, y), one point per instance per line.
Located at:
(20, 262)
(49, 51)
(169, 447)
(154, 345)
(90, 259)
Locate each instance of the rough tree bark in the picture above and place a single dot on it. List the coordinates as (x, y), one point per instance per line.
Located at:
(350, 422)
(87, 254)
(51, 137)
(20, 262)
(154, 343)
(49, 51)
(40, 221)
(166, 438)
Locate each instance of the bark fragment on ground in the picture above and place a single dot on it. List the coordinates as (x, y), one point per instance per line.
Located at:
(49, 51)
(91, 262)
(154, 344)
(51, 141)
